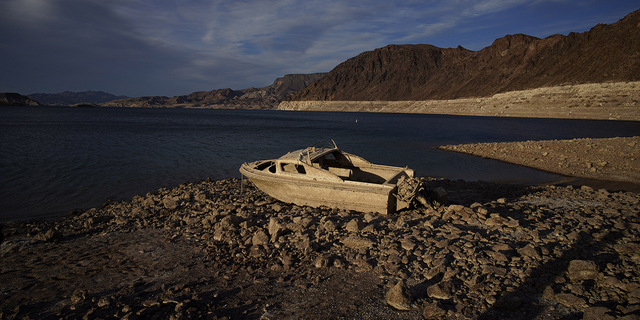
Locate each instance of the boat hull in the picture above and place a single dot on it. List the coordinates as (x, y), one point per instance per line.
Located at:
(357, 196)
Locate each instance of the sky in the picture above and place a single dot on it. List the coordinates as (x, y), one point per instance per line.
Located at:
(176, 47)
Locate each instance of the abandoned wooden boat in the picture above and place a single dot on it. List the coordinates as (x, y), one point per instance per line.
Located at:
(327, 176)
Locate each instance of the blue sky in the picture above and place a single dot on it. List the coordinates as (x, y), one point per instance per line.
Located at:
(175, 47)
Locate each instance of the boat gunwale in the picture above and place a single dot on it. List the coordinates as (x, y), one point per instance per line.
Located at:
(341, 184)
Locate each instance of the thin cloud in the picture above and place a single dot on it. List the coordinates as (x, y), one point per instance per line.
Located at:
(171, 47)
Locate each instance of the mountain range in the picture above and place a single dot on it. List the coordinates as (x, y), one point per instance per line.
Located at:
(252, 98)
(68, 98)
(606, 53)
(421, 72)
(16, 99)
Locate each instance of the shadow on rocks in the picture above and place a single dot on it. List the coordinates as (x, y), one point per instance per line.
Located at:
(541, 295)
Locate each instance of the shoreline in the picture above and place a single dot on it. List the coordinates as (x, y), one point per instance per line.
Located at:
(597, 101)
(221, 249)
(597, 162)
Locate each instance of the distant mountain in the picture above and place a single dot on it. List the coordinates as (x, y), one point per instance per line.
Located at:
(16, 99)
(68, 98)
(606, 53)
(252, 98)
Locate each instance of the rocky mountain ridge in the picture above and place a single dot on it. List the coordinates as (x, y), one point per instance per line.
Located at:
(68, 98)
(252, 98)
(16, 99)
(606, 53)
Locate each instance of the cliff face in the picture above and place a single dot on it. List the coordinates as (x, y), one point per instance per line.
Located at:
(515, 62)
(252, 98)
(16, 99)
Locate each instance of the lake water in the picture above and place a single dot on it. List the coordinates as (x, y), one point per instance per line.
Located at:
(56, 159)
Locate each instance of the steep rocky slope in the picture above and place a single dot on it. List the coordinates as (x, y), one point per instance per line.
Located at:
(252, 98)
(606, 53)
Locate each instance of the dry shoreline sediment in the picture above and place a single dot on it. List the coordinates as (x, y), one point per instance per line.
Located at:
(223, 250)
(613, 159)
(603, 101)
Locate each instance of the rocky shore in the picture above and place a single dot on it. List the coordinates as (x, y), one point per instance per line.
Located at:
(225, 250)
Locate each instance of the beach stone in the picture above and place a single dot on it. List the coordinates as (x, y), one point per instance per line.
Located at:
(399, 296)
(582, 270)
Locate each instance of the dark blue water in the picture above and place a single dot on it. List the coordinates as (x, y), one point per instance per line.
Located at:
(56, 159)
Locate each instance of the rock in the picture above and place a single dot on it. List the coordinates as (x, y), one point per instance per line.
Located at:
(104, 302)
(399, 296)
(440, 290)
(229, 222)
(548, 293)
(580, 270)
(407, 244)
(529, 251)
(432, 311)
(508, 301)
(570, 300)
(257, 251)
(597, 313)
(322, 261)
(488, 269)
(260, 238)
(78, 296)
(354, 225)
(626, 248)
(169, 203)
(275, 229)
(356, 242)
(497, 256)
(48, 236)
(330, 225)
(362, 265)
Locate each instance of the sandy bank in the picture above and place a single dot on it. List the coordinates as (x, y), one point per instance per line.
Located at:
(605, 101)
(222, 250)
(616, 159)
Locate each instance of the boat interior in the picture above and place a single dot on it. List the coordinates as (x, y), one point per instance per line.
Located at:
(346, 166)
